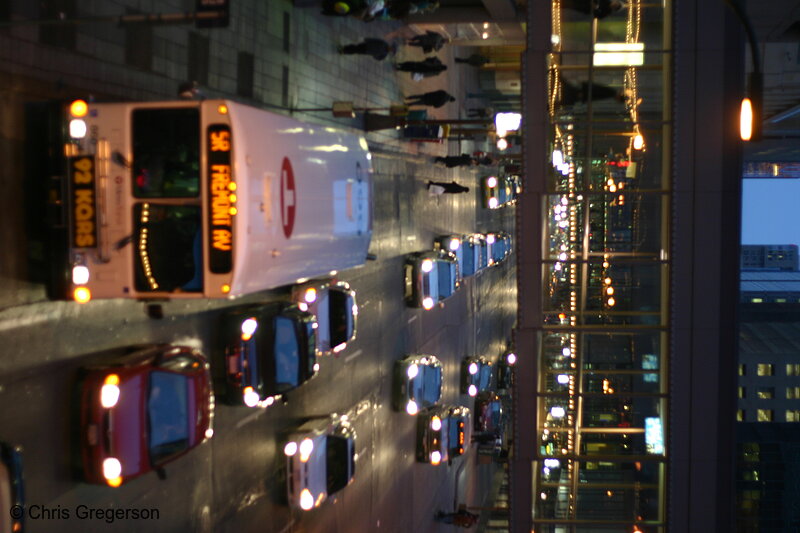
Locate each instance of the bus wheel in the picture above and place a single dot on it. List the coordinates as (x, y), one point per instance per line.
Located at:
(155, 311)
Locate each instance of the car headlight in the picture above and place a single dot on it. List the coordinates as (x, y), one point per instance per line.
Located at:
(112, 471)
(492, 202)
(491, 182)
(511, 358)
(290, 449)
(427, 265)
(250, 397)
(473, 368)
(302, 306)
(427, 303)
(249, 327)
(412, 371)
(436, 458)
(77, 128)
(306, 447)
(80, 275)
(109, 392)
(455, 244)
(436, 423)
(411, 407)
(490, 239)
(310, 295)
(306, 500)
(472, 390)
(209, 433)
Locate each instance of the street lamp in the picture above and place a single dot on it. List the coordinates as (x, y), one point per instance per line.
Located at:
(750, 114)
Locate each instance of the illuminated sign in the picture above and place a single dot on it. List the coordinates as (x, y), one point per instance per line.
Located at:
(221, 199)
(84, 202)
(619, 54)
(653, 435)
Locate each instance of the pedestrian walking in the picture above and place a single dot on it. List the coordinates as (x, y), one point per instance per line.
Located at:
(431, 66)
(370, 46)
(432, 98)
(597, 8)
(456, 160)
(475, 60)
(428, 41)
(447, 188)
(461, 518)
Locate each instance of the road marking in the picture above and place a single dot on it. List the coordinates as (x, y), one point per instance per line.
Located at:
(412, 319)
(352, 356)
(249, 418)
(288, 526)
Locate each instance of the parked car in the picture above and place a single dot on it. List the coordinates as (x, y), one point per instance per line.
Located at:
(269, 349)
(333, 303)
(489, 413)
(417, 383)
(320, 460)
(443, 433)
(146, 407)
(430, 277)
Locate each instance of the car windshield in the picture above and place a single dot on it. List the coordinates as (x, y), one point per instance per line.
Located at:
(167, 415)
(446, 278)
(455, 434)
(287, 354)
(484, 377)
(167, 240)
(430, 283)
(427, 384)
(338, 457)
(341, 316)
(166, 153)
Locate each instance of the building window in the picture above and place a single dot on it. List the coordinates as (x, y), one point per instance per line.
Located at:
(199, 53)
(245, 73)
(793, 415)
(792, 370)
(139, 44)
(742, 392)
(757, 300)
(764, 415)
(740, 415)
(742, 370)
(765, 369)
(793, 393)
(766, 393)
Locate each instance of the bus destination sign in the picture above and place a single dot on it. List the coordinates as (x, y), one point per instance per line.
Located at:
(221, 199)
(84, 201)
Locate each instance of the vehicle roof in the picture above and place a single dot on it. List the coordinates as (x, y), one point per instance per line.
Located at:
(332, 215)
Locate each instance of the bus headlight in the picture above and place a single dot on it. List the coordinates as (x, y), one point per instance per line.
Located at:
(310, 295)
(290, 449)
(77, 128)
(82, 295)
(249, 327)
(306, 447)
(80, 275)
(112, 468)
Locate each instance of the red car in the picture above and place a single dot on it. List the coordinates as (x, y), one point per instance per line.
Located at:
(150, 406)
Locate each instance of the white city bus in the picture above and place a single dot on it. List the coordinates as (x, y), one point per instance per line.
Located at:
(208, 199)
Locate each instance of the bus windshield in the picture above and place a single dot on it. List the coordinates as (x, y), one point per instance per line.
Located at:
(167, 240)
(166, 153)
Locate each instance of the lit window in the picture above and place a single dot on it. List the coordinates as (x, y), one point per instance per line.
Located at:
(765, 369)
(742, 392)
(793, 369)
(742, 370)
(792, 415)
(757, 300)
(740, 415)
(764, 415)
(793, 393)
(766, 393)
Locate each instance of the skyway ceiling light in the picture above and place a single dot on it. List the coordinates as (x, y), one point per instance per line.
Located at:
(619, 54)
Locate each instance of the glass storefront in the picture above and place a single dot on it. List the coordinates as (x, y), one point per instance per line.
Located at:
(603, 388)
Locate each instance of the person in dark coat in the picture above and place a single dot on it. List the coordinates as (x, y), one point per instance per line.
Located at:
(428, 41)
(597, 8)
(573, 94)
(449, 188)
(377, 48)
(431, 66)
(456, 160)
(475, 60)
(432, 99)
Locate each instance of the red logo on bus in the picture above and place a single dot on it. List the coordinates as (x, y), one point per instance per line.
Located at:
(288, 198)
